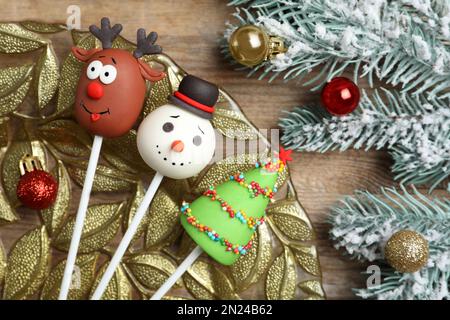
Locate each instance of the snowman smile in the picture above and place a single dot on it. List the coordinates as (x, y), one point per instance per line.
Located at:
(166, 158)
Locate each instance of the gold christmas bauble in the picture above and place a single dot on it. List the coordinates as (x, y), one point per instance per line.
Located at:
(250, 45)
(406, 251)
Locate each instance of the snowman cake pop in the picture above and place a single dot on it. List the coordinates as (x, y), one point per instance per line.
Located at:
(176, 140)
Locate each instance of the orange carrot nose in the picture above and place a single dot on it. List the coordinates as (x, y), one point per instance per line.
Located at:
(177, 146)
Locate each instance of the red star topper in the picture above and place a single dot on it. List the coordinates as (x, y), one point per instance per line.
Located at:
(285, 155)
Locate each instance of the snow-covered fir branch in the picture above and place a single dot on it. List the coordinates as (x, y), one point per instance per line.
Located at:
(416, 131)
(402, 42)
(363, 223)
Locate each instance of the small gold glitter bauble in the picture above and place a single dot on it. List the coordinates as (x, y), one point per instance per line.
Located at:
(250, 45)
(406, 251)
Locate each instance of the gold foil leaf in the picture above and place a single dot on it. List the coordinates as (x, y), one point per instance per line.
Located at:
(14, 85)
(47, 76)
(132, 208)
(2, 263)
(122, 43)
(118, 288)
(125, 147)
(312, 287)
(28, 265)
(16, 39)
(249, 268)
(118, 163)
(100, 227)
(291, 220)
(106, 179)
(67, 137)
(78, 35)
(204, 281)
(41, 27)
(7, 213)
(150, 270)
(4, 132)
(221, 170)
(70, 73)
(82, 279)
(54, 215)
(232, 124)
(307, 258)
(10, 164)
(282, 277)
(163, 220)
(159, 91)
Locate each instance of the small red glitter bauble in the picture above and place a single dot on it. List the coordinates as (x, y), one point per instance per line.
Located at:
(37, 189)
(340, 96)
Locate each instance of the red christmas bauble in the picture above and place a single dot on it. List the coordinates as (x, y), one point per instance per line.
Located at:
(37, 189)
(340, 96)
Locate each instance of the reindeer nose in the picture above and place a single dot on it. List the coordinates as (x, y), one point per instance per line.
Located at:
(95, 90)
(177, 146)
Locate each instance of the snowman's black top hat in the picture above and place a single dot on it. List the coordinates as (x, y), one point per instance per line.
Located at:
(196, 95)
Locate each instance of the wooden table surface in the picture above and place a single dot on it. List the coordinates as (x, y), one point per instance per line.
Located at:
(189, 31)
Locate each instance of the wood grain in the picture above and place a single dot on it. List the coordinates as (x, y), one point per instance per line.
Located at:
(189, 31)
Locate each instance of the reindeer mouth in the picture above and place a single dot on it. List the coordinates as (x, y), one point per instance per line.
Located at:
(94, 115)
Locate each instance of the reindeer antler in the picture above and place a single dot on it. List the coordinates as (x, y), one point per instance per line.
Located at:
(146, 45)
(106, 34)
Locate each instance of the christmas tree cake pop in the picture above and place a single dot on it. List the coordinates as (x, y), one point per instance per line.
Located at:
(224, 219)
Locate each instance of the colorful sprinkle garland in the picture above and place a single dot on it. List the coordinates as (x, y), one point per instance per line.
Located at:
(255, 190)
(213, 235)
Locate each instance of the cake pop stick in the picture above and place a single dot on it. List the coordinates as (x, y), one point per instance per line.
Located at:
(177, 140)
(224, 219)
(110, 96)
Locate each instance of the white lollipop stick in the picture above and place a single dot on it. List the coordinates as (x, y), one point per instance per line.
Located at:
(81, 214)
(190, 259)
(129, 234)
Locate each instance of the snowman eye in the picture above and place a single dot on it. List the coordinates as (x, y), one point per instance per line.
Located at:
(167, 127)
(93, 70)
(197, 140)
(108, 74)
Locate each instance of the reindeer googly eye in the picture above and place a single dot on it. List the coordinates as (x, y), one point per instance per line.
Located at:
(93, 70)
(108, 74)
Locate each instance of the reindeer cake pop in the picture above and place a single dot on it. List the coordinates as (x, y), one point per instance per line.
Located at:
(109, 98)
(177, 140)
(111, 89)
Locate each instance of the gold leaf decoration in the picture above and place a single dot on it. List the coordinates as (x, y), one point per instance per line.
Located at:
(41, 27)
(204, 281)
(163, 218)
(221, 170)
(150, 270)
(125, 147)
(14, 85)
(46, 78)
(132, 208)
(118, 163)
(10, 164)
(291, 219)
(16, 39)
(2, 263)
(307, 258)
(67, 137)
(119, 287)
(81, 281)
(248, 269)
(106, 179)
(70, 73)
(28, 265)
(7, 213)
(312, 287)
(232, 124)
(4, 132)
(100, 226)
(53, 216)
(282, 277)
